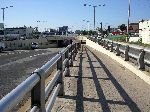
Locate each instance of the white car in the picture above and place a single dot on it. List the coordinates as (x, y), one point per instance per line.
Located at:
(34, 45)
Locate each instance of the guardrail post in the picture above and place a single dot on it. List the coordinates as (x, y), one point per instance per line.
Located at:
(104, 43)
(107, 45)
(75, 52)
(71, 56)
(60, 79)
(67, 64)
(126, 53)
(141, 60)
(111, 47)
(118, 50)
(38, 92)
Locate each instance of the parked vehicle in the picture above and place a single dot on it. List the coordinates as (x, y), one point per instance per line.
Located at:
(34, 45)
(2, 46)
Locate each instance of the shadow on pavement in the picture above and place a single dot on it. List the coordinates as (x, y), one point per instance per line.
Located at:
(79, 98)
(128, 101)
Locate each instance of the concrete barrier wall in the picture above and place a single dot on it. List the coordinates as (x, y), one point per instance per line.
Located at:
(26, 44)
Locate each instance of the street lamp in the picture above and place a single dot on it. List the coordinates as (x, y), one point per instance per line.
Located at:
(94, 7)
(3, 9)
(129, 5)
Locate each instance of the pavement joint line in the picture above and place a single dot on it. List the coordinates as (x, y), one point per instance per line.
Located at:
(130, 67)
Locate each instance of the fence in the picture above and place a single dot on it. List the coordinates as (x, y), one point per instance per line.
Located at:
(138, 55)
(36, 83)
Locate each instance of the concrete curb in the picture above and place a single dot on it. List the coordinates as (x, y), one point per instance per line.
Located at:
(120, 60)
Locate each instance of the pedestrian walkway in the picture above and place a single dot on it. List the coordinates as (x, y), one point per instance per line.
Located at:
(100, 84)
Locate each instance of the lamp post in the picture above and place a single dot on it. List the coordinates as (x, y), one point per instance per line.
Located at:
(3, 9)
(129, 5)
(94, 7)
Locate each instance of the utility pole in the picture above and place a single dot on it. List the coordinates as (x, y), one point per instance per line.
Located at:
(3, 9)
(129, 5)
(94, 7)
(94, 16)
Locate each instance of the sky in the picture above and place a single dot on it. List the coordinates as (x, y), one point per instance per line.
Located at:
(56, 13)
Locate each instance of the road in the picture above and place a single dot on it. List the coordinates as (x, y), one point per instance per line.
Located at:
(16, 66)
(100, 84)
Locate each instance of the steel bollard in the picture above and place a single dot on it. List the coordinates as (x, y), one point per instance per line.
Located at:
(111, 47)
(38, 92)
(141, 60)
(118, 50)
(126, 53)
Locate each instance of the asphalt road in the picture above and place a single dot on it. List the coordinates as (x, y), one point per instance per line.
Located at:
(16, 66)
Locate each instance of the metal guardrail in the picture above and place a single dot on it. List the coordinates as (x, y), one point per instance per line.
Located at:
(140, 54)
(36, 83)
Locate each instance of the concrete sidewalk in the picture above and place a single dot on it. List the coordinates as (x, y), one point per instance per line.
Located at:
(98, 83)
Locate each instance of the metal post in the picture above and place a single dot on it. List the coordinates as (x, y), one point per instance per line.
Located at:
(94, 16)
(126, 53)
(141, 60)
(128, 20)
(104, 43)
(111, 47)
(118, 50)
(71, 57)
(67, 64)
(4, 20)
(60, 79)
(107, 45)
(75, 51)
(38, 92)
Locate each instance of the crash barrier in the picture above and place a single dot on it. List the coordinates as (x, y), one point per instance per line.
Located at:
(128, 52)
(36, 83)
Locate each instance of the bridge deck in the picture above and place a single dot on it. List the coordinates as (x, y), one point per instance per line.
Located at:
(98, 83)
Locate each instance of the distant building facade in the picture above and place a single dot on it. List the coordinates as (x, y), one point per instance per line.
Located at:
(63, 30)
(1, 30)
(19, 32)
(134, 28)
(144, 31)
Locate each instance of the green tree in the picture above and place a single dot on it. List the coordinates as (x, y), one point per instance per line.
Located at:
(123, 27)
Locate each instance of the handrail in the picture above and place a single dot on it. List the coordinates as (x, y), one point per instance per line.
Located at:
(36, 83)
(120, 48)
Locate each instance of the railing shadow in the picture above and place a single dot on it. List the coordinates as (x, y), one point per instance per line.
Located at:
(127, 100)
(102, 98)
(79, 97)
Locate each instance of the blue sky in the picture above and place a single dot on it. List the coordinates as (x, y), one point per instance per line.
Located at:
(71, 12)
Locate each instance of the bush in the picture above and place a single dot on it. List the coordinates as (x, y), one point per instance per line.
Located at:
(119, 38)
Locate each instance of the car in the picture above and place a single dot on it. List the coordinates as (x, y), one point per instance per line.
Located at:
(34, 45)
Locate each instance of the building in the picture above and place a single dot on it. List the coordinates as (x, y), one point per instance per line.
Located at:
(25, 32)
(1, 26)
(63, 30)
(134, 28)
(144, 31)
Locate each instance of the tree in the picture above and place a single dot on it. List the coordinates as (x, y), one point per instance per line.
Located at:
(123, 27)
